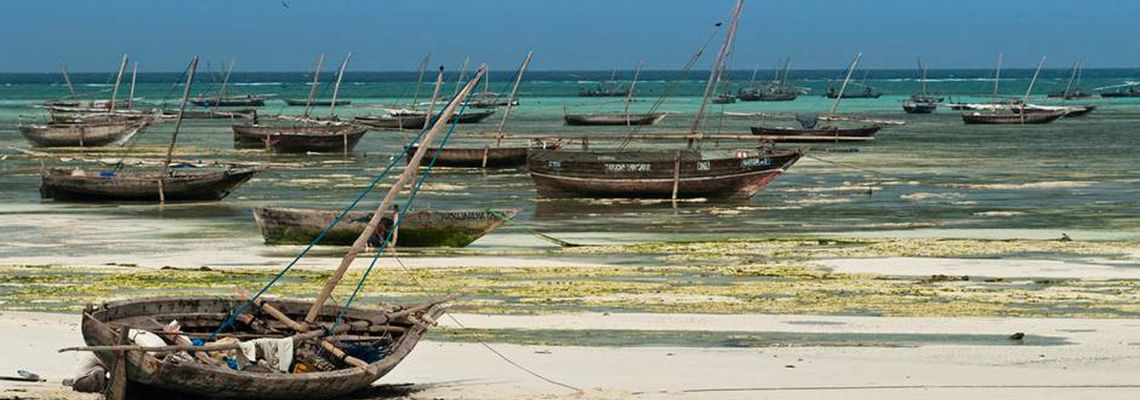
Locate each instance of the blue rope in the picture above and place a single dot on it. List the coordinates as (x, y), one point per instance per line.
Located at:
(400, 215)
(232, 317)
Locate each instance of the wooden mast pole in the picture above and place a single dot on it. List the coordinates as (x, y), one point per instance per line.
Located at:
(1073, 77)
(511, 99)
(462, 74)
(1033, 81)
(118, 81)
(131, 97)
(922, 75)
(67, 80)
(225, 82)
(997, 77)
(843, 88)
(336, 86)
(629, 96)
(714, 74)
(177, 126)
(316, 83)
(434, 98)
(420, 79)
(409, 170)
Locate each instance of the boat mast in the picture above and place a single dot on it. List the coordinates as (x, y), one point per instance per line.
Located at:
(462, 74)
(383, 209)
(434, 98)
(752, 81)
(1034, 80)
(336, 86)
(177, 126)
(512, 97)
(922, 75)
(118, 81)
(316, 83)
(67, 80)
(787, 69)
(714, 74)
(843, 88)
(1073, 77)
(997, 77)
(632, 85)
(131, 97)
(420, 79)
(225, 81)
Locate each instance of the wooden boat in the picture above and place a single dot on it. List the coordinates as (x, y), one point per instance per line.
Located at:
(1072, 90)
(831, 131)
(1129, 92)
(613, 119)
(1012, 118)
(114, 131)
(248, 100)
(394, 338)
(1071, 111)
(768, 95)
(299, 136)
(410, 120)
(243, 113)
(655, 174)
(425, 228)
(724, 98)
(917, 107)
(316, 103)
(78, 185)
(866, 93)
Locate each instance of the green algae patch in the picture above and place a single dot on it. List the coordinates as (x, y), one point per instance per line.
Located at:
(726, 339)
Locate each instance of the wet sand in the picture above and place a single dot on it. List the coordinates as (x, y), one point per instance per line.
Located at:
(1099, 361)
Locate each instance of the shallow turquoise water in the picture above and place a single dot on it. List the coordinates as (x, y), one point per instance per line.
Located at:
(934, 172)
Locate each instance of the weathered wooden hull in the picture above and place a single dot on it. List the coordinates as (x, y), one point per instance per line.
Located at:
(613, 119)
(654, 174)
(490, 156)
(247, 113)
(203, 315)
(912, 107)
(1071, 111)
(316, 103)
(248, 101)
(860, 132)
(451, 228)
(91, 134)
(415, 121)
(781, 96)
(978, 118)
(300, 138)
(60, 184)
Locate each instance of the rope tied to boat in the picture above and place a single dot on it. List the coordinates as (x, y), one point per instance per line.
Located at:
(506, 220)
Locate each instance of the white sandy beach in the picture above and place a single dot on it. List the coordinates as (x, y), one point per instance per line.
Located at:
(1099, 363)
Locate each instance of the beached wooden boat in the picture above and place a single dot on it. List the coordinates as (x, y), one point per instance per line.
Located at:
(315, 103)
(412, 120)
(425, 228)
(613, 119)
(828, 131)
(299, 136)
(391, 338)
(655, 174)
(94, 133)
(248, 100)
(980, 118)
(180, 184)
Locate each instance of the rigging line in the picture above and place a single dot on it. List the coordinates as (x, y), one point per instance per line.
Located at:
(889, 387)
(241, 310)
(845, 165)
(480, 340)
(673, 83)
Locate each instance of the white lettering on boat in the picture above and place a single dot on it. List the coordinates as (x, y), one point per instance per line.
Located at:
(640, 167)
(755, 162)
(704, 165)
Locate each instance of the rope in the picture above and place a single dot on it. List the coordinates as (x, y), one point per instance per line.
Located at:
(498, 214)
(245, 307)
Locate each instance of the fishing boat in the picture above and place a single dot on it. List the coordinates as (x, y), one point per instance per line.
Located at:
(866, 92)
(1073, 88)
(1070, 111)
(248, 100)
(173, 182)
(663, 174)
(1129, 90)
(316, 103)
(809, 128)
(980, 118)
(607, 88)
(422, 228)
(411, 119)
(240, 113)
(299, 136)
(724, 98)
(921, 102)
(614, 119)
(776, 90)
(305, 133)
(88, 133)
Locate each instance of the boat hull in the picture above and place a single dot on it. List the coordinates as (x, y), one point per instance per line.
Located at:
(91, 134)
(416, 121)
(654, 174)
(249, 101)
(62, 185)
(860, 132)
(1012, 118)
(912, 107)
(299, 138)
(316, 103)
(479, 157)
(100, 327)
(613, 119)
(451, 228)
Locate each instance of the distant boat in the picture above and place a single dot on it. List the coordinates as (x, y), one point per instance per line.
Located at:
(68, 184)
(921, 103)
(1073, 88)
(315, 103)
(1129, 91)
(916, 107)
(614, 119)
(866, 92)
(776, 90)
(426, 228)
(809, 127)
(724, 98)
(607, 88)
(979, 118)
(248, 100)
(415, 119)
(1071, 111)
(84, 134)
(299, 136)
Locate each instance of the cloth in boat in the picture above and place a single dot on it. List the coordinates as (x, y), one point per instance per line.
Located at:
(145, 338)
(278, 353)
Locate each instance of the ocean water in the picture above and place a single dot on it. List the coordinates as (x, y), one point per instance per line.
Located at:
(1078, 176)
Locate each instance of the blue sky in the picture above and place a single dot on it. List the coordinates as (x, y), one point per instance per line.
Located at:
(265, 35)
